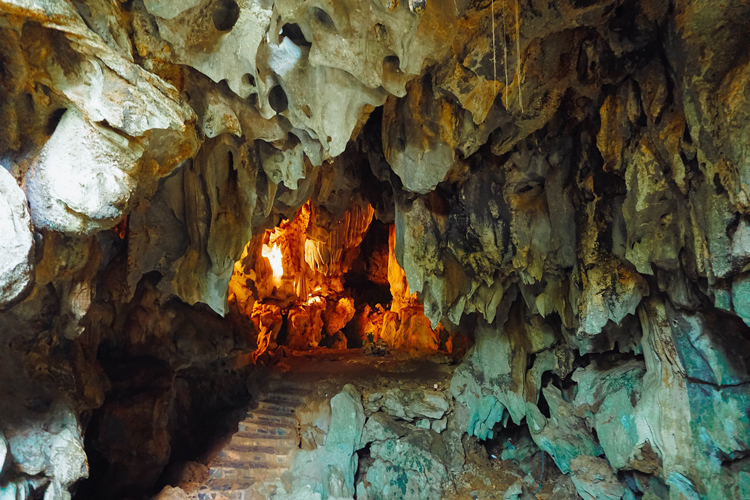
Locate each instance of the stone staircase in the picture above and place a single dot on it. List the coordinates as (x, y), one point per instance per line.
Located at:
(260, 451)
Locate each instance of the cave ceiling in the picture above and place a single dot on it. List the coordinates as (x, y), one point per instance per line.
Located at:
(577, 168)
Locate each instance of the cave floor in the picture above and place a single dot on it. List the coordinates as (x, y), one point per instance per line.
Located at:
(254, 458)
(328, 370)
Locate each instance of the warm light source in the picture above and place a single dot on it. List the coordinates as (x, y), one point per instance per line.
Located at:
(273, 254)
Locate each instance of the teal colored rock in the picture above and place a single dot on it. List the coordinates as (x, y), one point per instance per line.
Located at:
(304, 494)
(323, 471)
(330, 470)
(423, 423)
(11, 491)
(347, 421)
(681, 488)
(484, 417)
(721, 421)
(3, 450)
(514, 492)
(440, 425)
(595, 480)
(388, 482)
(616, 428)
(520, 449)
(53, 446)
(410, 404)
(407, 468)
(744, 484)
(607, 396)
(709, 347)
(380, 427)
(741, 297)
(565, 436)
(596, 383)
(490, 382)
(722, 299)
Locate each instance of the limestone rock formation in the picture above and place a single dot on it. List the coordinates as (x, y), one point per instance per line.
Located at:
(330, 469)
(568, 187)
(16, 249)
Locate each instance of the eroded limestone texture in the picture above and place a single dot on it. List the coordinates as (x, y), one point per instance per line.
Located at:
(568, 182)
(16, 266)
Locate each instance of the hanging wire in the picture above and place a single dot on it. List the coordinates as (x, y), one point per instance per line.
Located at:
(541, 478)
(518, 51)
(505, 51)
(494, 51)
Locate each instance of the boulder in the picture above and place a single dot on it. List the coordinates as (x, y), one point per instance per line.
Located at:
(86, 188)
(170, 493)
(564, 435)
(381, 426)
(741, 297)
(409, 404)
(315, 421)
(347, 421)
(330, 470)
(52, 446)
(407, 468)
(608, 399)
(565, 489)
(323, 471)
(17, 245)
(594, 479)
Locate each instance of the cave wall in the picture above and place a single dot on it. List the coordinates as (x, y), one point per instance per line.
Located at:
(567, 180)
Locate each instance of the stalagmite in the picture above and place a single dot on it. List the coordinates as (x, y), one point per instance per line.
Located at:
(255, 249)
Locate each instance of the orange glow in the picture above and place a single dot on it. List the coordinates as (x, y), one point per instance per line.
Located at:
(315, 300)
(309, 294)
(274, 256)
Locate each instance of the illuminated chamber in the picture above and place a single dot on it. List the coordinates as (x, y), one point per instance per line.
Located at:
(324, 280)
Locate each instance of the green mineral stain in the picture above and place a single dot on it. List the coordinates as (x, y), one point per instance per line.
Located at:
(741, 298)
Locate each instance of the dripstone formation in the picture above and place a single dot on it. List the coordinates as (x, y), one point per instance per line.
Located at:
(569, 183)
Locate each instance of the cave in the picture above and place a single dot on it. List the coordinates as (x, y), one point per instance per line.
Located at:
(374, 250)
(325, 281)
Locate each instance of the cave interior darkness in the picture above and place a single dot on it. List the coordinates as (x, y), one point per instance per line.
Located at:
(374, 249)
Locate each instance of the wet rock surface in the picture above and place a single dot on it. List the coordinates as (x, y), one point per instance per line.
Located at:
(568, 185)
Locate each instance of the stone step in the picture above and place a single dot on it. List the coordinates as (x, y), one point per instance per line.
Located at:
(228, 484)
(261, 450)
(227, 495)
(231, 470)
(245, 448)
(256, 455)
(287, 441)
(289, 399)
(278, 407)
(220, 495)
(271, 418)
(264, 428)
(222, 489)
(224, 467)
(287, 389)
